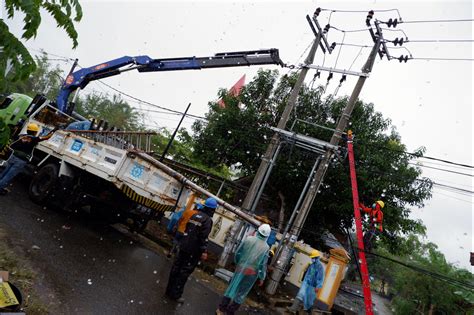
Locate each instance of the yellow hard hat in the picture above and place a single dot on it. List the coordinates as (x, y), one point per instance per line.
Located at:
(32, 127)
(272, 251)
(381, 203)
(314, 253)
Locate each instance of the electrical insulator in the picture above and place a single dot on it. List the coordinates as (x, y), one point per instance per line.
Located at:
(393, 22)
(344, 77)
(398, 41)
(369, 17)
(330, 76)
(331, 48)
(326, 28)
(403, 58)
(318, 74)
(318, 10)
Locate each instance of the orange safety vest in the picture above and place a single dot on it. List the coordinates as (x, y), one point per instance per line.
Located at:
(376, 215)
(187, 214)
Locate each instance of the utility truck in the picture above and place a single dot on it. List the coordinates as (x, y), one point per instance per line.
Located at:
(110, 172)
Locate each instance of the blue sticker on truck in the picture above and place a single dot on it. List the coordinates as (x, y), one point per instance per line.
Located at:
(76, 145)
(137, 171)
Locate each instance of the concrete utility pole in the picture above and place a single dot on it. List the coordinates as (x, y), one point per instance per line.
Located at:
(302, 213)
(250, 199)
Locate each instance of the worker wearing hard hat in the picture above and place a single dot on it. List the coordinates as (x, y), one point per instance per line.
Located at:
(313, 279)
(251, 265)
(376, 218)
(179, 226)
(192, 249)
(22, 153)
(375, 213)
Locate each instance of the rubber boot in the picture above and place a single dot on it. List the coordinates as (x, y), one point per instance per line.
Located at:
(295, 307)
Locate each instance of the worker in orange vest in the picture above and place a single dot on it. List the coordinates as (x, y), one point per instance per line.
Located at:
(180, 227)
(376, 218)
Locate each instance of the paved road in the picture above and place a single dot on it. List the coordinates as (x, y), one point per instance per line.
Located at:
(93, 269)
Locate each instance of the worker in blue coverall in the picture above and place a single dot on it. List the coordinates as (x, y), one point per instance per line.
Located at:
(251, 260)
(312, 281)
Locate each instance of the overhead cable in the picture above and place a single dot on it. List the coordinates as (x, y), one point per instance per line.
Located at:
(442, 59)
(350, 31)
(441, 169)
(437, 21)
(439, 41)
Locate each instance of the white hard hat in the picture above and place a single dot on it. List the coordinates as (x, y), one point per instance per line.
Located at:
(264, 230)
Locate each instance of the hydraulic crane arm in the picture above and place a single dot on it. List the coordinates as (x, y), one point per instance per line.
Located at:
(81, 78)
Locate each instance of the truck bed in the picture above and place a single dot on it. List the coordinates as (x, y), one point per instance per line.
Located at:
(135, 177)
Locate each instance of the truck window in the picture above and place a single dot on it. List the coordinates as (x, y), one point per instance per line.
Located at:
(5, 101)
(51, 116)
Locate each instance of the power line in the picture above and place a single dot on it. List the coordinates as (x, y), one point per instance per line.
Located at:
(439, 59)
(358, 11)
(435, 21)
(353, 45)
(414, 41)
(148, 103)
(441, 169)
(54, 55)
(356, 57)
(438, 41)
(455, 190)
(441, 160)
(416, 155)
(451, 188)
(450, 182)
(363, 11)
(350, 31)
(449, 196)
(452, 281)
(440, 164)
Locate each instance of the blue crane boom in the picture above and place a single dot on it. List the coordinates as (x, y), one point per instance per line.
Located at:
(80, 78)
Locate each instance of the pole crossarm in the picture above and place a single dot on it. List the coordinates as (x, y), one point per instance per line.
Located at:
(306, 142)
(334, 70)
(330, 48)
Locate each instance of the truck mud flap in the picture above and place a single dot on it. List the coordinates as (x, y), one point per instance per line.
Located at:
(130, 193)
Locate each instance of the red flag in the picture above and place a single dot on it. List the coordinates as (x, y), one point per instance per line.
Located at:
(234, 91)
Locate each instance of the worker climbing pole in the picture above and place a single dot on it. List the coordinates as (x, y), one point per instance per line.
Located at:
(358, 222)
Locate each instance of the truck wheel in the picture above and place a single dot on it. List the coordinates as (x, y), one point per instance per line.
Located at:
(43, 183)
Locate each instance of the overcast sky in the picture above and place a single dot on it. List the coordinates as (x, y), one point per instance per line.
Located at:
(430, 102)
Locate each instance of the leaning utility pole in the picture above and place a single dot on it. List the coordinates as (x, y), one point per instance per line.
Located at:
(284, 255)
(251, 197)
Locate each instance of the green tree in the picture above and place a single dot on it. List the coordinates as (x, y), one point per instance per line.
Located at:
(13, 54)
(238, 135)
(46, 79)
(114, 110)
(417, 292)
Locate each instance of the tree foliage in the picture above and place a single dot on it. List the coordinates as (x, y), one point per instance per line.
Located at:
(46, 79)
(238, 135)
(415, 291)
(12, 51)
(113, 109)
